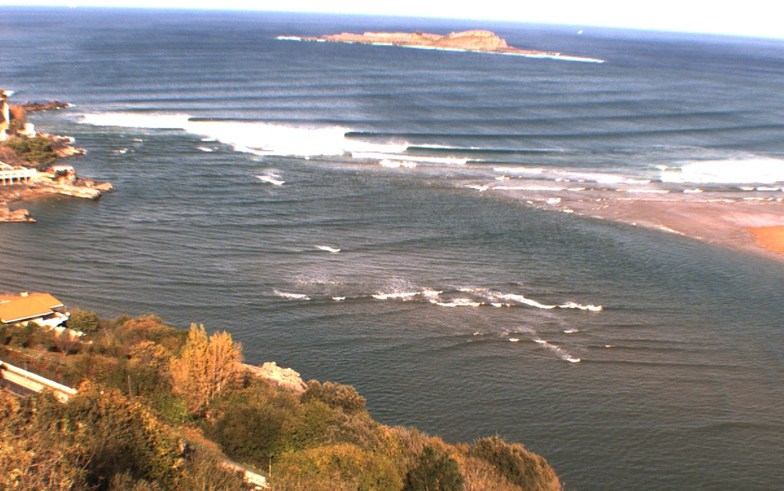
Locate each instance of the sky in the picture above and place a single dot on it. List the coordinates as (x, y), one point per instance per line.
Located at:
(754, 18)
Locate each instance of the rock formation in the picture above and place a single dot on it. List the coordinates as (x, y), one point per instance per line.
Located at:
(282, 377)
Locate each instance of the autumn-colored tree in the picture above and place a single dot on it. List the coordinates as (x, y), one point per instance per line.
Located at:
(207, 368)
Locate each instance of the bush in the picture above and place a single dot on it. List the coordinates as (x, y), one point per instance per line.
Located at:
(336, 467)
(250, 432)
(334, 395)
(37, 151)
(521, 467)
(435, 470)
(83, 320)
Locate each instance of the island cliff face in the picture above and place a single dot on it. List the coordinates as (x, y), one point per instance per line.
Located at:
(476, 40)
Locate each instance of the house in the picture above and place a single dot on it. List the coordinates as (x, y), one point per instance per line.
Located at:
(40, 308)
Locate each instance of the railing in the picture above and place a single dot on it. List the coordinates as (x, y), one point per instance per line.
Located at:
(34, 382)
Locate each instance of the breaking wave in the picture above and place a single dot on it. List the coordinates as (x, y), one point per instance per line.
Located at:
(760, 170)
(291, 296)
(562, 353)
(256, 137)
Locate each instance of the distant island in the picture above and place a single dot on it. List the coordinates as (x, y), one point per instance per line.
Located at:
(477, 41)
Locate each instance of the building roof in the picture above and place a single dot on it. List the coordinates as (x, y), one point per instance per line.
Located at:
(16, 308)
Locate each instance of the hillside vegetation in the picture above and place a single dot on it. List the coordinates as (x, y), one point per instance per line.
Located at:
(160, 408)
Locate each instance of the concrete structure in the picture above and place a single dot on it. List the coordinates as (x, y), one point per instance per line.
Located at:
(16, 175)
(33, 382)
(40, 308)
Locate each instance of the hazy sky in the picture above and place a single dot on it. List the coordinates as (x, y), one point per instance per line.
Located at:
(758, 18)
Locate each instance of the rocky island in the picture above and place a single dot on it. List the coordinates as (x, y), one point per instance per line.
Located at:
(477, 41)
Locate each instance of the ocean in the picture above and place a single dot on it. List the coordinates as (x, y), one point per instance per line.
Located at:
(397, 219)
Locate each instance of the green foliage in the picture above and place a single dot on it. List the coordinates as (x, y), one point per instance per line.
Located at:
(435, 470)
(521, 467)
(83, 320)
(250, 434)
(340, 396)
(37, 151)
(336, 467)
(123, 436)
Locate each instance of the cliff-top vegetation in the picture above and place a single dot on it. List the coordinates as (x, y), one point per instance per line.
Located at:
(161, 408)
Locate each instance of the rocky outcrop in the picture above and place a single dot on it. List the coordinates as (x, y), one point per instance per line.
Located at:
(10, 216)
(281, 377)
(32, 107)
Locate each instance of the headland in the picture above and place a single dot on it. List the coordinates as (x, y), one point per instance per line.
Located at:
(477, 41)
(29, 161)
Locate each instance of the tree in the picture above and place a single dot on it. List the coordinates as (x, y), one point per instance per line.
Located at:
(435, 470)
(207, 368)
(82, 320)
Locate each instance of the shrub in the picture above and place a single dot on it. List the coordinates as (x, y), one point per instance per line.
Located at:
(37, 151)
(336, 467)
(521, 467)
(435, 470)
(82, 320)
(340, 396)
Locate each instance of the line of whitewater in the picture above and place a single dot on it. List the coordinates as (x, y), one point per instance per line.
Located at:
(463, 297)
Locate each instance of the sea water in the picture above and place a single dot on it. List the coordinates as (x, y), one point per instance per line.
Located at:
(394, 219)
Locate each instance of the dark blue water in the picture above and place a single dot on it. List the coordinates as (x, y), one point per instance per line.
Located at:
(629, 358)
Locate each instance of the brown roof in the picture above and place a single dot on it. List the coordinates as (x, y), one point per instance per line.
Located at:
(15, 308)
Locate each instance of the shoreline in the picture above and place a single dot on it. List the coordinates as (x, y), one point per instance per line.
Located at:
(755, 227)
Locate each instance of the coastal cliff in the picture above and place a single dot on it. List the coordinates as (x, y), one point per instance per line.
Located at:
(477, 40)
(181, 408)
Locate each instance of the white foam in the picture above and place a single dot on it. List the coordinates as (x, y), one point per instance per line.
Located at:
(457, 302)
(397, 164)
(759, 170)
(205, 149)
(338, 299)
(562, 354)
(514, 340)
(427, 293)
(120, 151)
(693, 191)
(560, 57)
(257, 137)
(519, 170)
(291, 296)
(392, 152)
(326, 248)
(525, 301)
(480, 188)
(574, 305)
(271, 179)
(571, 331)
(405, 296)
